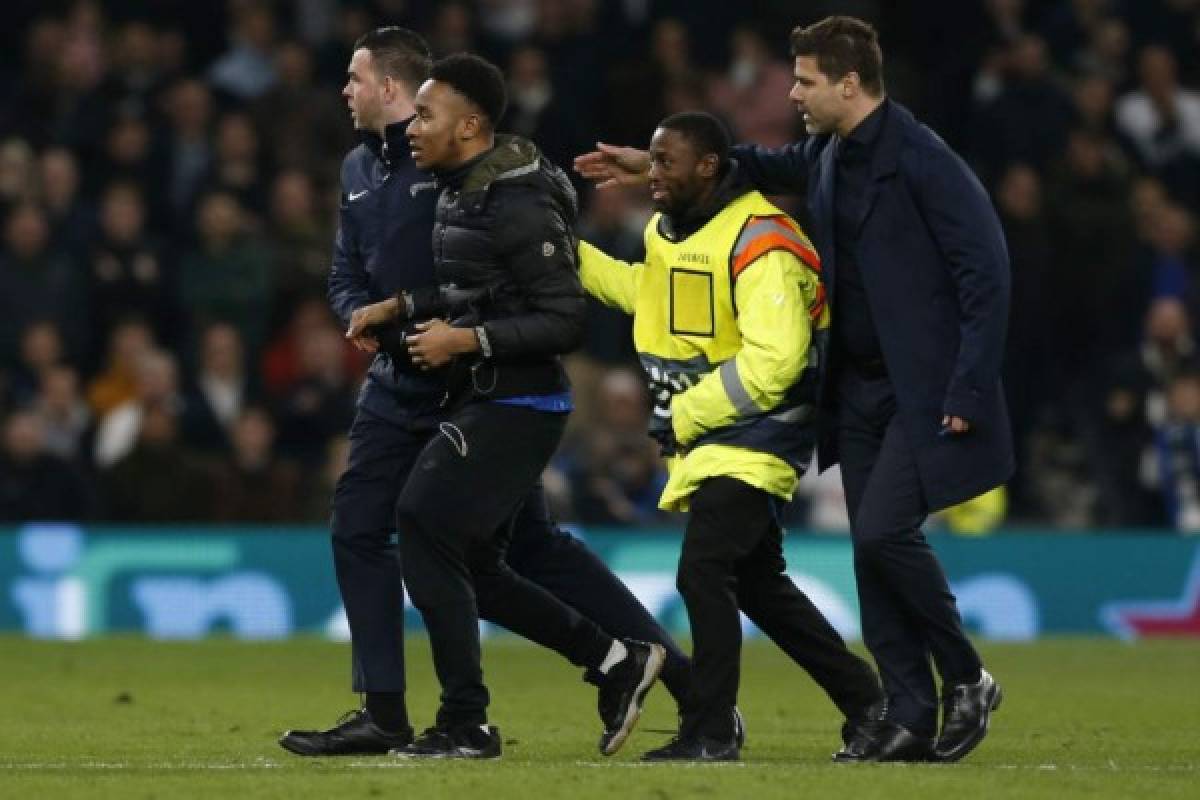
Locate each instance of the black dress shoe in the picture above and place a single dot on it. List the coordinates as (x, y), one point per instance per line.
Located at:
(884, 740)
(623, 690)
(354, 735)
(966, 713)
(874, 713)
(739, 728)
(463, 741)
(694, 748)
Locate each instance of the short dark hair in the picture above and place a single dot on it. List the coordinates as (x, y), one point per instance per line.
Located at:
(843, 45)
(398, 53)
(706, 133)
(476, 79)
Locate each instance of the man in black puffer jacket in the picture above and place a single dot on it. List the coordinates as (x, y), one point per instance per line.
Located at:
(508, 304)
(384, 247)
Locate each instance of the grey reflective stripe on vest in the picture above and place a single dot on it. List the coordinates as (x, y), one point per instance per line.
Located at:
(742, 402)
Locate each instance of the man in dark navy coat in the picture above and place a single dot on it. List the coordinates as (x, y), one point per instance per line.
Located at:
(918, 272)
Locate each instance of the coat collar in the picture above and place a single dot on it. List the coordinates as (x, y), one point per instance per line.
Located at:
(392, 146)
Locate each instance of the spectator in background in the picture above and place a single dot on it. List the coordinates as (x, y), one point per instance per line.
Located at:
(127, 157)
(65, 416)
(1106, 55)
(1006, 131)
(1093, 246)
(748, 94)
(18, 174)
(219, 392)
(638, 89)
(187, 153)
(130, 340)
(1029, 380)
(136, 75)
(299, 237)
(158, 388)
(252, 484)
(246, 70)
(70, 217)
(1092, 96)
(1168, 261)
(35, 484)
(129, 277)
(351, 22)
(320, 405)
(227, 277)
(617, 476)
(306, 126)
(1177, 450)
(1162, 119)
(451, 31)
(238, 164)
(38, 282)
(539, 113)
(157, 480)
(281, 364)
(41, 350)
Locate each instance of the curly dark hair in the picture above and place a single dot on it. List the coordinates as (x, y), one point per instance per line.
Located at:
(476, 79)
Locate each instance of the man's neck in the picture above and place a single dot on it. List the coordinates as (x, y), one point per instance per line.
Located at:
(396, 112)
(472, 149)
(861, 111)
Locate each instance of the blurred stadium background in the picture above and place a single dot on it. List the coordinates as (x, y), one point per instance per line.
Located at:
(174, 392)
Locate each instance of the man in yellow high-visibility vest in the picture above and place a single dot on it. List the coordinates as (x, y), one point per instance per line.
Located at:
(730, 323)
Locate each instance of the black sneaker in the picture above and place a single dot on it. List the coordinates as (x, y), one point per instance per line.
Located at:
(694, 748)
(464, 741)
(624, 689)
(354, 735)
(966, 713)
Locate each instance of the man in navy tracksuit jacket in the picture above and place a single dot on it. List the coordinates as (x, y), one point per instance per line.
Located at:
(384, 247)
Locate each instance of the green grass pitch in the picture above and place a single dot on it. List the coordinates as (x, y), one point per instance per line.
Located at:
(129, 718)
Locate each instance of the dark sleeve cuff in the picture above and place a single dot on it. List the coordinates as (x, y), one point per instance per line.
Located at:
(963, 402)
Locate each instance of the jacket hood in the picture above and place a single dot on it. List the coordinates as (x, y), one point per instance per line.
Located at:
(516, 161)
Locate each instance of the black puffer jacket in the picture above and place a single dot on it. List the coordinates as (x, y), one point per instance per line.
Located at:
(502, 237)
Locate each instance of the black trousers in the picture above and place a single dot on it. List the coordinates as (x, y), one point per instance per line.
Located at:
(367, 564)
(908, 611)
(733, 558)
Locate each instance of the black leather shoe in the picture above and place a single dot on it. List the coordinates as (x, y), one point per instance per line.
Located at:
(885, 740)
(354, 735)
(966, 713)
(694, 748)
(739, 728)
(624, 689)
(464, 741)
(874, 713)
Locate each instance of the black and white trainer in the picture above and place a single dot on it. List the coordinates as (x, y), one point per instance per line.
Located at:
(624, 689)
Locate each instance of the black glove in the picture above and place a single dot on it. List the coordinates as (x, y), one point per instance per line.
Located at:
(663, 387)
(391, 338)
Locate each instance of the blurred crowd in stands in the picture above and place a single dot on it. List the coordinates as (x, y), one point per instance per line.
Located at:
(168, 198)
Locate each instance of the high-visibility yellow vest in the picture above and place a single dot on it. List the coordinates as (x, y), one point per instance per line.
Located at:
(730, 322)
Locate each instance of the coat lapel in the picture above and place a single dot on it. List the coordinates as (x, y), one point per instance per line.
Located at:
(885, 160)
(822, 211)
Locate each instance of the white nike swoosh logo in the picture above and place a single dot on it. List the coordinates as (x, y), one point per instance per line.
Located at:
(355, 195)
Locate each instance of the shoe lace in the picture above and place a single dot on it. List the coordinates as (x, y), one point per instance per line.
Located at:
(350, 716)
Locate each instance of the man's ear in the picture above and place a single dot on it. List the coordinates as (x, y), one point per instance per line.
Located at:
(470, 127)
(709, 165)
